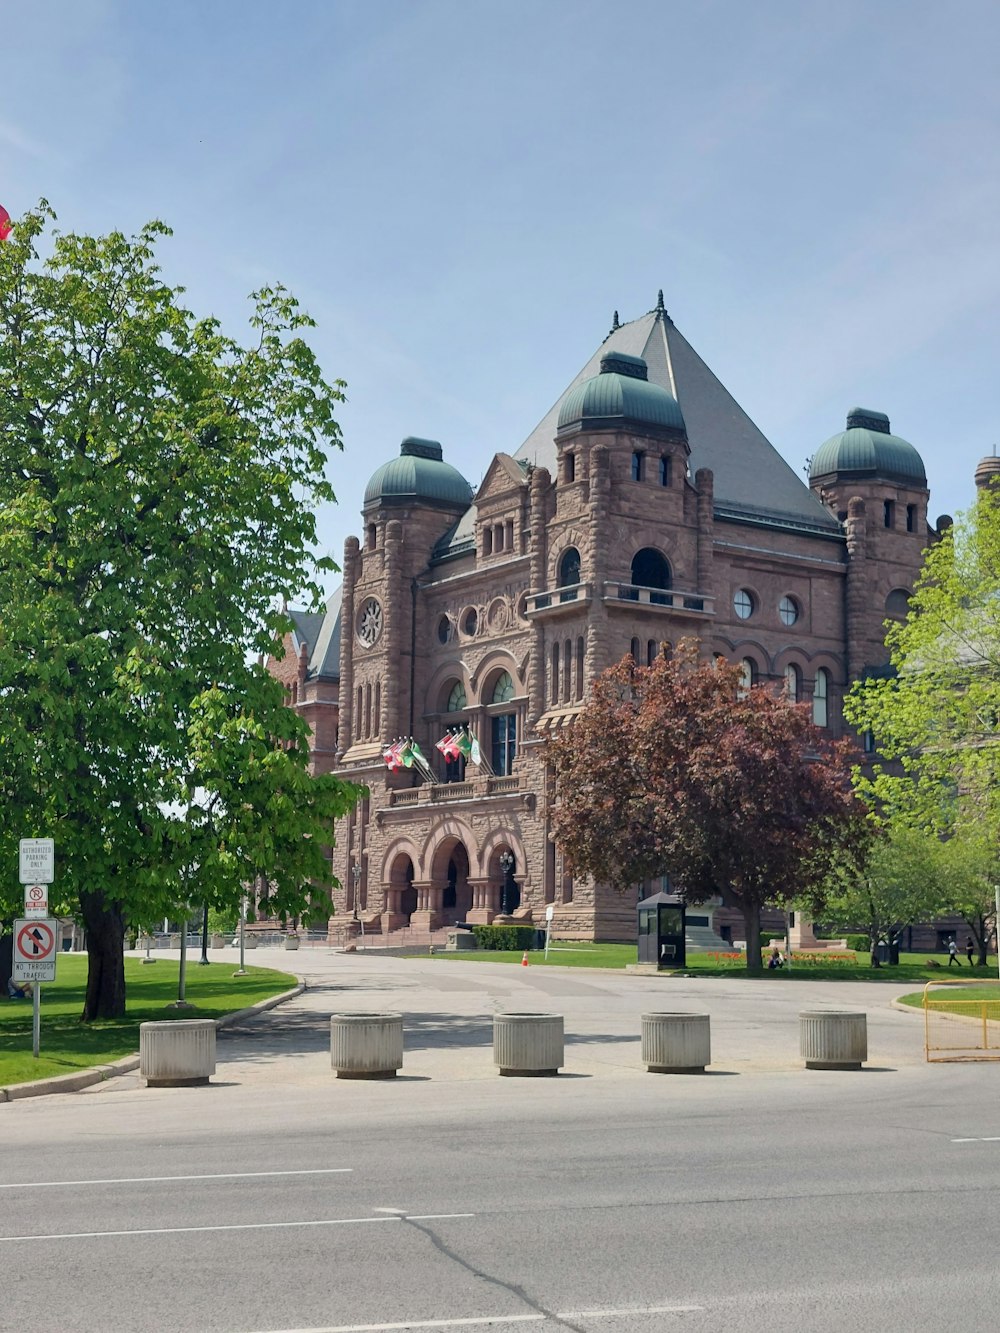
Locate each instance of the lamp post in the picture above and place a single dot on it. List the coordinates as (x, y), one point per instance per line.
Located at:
(242, 970)
(356, 872)
(507, 866)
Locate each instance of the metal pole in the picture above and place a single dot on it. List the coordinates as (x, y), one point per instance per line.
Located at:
(36, 1018)
(181, 976)
(243, 924)
(996, 926)
(203, 961)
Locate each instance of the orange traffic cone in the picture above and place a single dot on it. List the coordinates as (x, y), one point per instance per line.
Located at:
(524, 959)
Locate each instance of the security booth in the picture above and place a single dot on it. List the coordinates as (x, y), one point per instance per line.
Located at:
(662, 930)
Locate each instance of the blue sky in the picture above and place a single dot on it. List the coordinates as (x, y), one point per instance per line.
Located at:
(462, 193)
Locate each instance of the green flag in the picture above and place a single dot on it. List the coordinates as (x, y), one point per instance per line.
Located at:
(464, 743)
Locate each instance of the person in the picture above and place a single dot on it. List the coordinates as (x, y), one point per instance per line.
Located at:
(18, 990)
(775, 960)
(953, 953)
(969, 947)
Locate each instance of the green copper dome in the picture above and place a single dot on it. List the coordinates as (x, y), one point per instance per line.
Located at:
(621, 396)
(419, 475)
(866, 449)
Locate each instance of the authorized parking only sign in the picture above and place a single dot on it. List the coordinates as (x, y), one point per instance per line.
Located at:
(35, 950)
(37, 860)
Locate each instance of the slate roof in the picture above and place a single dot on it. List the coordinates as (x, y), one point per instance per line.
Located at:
(320, 632)
(751, 478)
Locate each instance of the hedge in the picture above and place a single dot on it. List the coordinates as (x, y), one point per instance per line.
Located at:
(504, 937)
(859, 943)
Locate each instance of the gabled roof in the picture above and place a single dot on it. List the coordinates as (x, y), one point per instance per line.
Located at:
(751, 477)
(320, 632)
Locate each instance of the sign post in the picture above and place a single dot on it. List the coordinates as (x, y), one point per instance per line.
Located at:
(34, 960)
(35, 936)
(550, 912)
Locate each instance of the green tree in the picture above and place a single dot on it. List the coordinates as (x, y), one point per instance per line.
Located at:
(157, 488)
(968, 871)
(882, 881)
(674, 768)
(935, 716)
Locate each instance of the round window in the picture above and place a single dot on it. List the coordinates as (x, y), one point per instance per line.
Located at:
(788, 610)
(370, 622)
(469, 622)
(743, 603)
(444, 629)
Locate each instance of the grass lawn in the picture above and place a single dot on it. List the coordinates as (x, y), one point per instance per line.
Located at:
(914, 969)
(967, 1000)
(67, 1044)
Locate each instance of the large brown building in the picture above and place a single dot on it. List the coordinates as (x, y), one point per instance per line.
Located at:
(645, 507)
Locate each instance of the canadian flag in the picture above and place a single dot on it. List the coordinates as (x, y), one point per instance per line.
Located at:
(448, 746)
(391, 755)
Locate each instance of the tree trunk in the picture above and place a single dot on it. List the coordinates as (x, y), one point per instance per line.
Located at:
(105, 925)
(751, 921)
(873, 937)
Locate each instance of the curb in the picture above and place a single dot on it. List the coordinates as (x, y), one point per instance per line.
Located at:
(86, 1078)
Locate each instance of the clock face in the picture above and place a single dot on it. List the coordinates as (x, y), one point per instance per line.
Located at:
(370, 622)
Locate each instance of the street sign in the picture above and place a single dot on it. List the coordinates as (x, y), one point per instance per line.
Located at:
(36, 900)
(38, 860)
(35, 950)
(550, 912)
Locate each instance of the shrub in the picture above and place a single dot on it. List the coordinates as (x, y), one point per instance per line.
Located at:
(504, 937)
(859, 943)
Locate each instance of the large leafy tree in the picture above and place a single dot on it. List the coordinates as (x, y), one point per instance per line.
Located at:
(675, 768)
(157, 487)
(935, 715)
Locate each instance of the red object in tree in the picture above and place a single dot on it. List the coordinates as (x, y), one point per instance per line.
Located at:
(5, 224)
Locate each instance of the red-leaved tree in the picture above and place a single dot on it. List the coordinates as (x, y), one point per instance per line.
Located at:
(677, 769)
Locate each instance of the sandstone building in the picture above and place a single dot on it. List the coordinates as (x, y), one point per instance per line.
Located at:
(646, 506)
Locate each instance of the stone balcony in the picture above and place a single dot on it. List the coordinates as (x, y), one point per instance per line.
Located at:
(672, 602)
(559, 601)
(404, 801)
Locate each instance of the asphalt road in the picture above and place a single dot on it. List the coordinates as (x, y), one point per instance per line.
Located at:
(757, 1196)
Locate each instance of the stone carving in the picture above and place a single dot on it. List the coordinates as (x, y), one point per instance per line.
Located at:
(370, 622)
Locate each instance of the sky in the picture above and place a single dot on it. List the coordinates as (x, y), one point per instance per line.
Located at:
(462, 193)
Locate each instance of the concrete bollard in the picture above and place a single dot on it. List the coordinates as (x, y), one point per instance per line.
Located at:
(528, 1045)
(177, 1055)
(676, 1043)
(833, 1039)
(366, 1045)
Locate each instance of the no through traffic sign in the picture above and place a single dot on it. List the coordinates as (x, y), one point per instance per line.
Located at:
(35, 950)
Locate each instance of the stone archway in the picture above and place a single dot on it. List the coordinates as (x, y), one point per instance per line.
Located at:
(449, 877)
(505, 873)
(400, 894)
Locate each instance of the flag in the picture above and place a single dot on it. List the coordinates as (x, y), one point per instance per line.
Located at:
(392, 757)
(475, 754)
(463, 743)
(448, 746)
(406, 755)
(5, 227)
(417, 753)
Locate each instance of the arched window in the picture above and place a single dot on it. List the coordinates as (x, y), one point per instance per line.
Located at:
(359, 717)
(570, 467)
(503, 690)
(579, 667)
(371, 535)
(638, 465)
(897, 604)
(748, 675)
(456, 701)
(634, 650)
(650, 569)
(821, 697)
(665, 471)
(793, 683)
(368, 710)
(650, 652)
(567, 692)
(498, 537)
(487, 541)
(569, 568)
(377, 712)
(555, 673)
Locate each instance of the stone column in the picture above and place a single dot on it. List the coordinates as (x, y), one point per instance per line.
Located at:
(345, 732)
(856, 591)
(705, 485)
(596, 557)
(429, 910)
(482, 912)
(397, 617)
(539, 582)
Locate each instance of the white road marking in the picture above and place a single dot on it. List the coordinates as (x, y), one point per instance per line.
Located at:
(992, 1138)
(432, 1217)
(495, 1319)
(157, 1180)
(232, 1226)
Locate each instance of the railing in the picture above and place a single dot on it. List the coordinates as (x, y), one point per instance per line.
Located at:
(498, 786)
(407, 796)
(481, 788)
(556, 598)
(670, 599)
(451, 791)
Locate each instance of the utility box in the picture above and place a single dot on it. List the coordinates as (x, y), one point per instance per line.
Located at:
(662, 931)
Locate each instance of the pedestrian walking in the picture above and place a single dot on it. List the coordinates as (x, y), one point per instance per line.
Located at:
(969, 947)
(953, 957)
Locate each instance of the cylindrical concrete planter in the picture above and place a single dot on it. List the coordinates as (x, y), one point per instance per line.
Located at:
(831, 1039)
(291, 941)
(249, 941)
(528, 1045)
(177, 1055)
(175, 941)
(676, 1043)
(366, 1045)
(217, 942)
